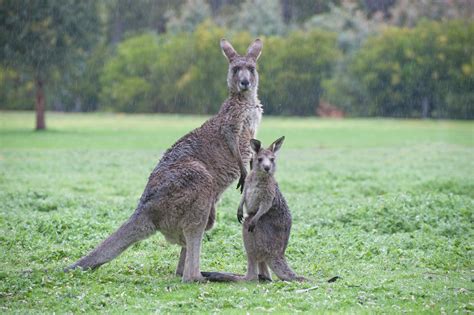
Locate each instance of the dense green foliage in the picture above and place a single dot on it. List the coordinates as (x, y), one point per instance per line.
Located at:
(292, 70)
(396, 58)
(39, 38)
(385, 204)
(398, 71)
(187, 72)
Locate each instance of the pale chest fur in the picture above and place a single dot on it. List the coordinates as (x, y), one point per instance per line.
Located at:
(256, 193)
(252, 118)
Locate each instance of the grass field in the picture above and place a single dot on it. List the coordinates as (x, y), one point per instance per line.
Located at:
(388, 205)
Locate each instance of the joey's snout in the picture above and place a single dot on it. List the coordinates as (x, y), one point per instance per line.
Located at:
(266, 168)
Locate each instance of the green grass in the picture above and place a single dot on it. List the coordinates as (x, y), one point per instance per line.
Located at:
(388, 205)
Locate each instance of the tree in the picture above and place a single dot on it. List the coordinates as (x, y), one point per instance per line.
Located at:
(39, 36)
(260, 17)
(293, 69)
(191, 14)
(125, 17)
(126, 77)
(426, 71)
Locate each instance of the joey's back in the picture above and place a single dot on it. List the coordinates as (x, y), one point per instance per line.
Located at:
(265, 206)
(266, 229)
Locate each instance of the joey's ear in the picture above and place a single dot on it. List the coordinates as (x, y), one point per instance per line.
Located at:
(275, 146)
(228, 51)
(255, 145)
(255, 49)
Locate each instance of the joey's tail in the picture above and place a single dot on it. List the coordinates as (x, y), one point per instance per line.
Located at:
(136, 228)
(283, 271)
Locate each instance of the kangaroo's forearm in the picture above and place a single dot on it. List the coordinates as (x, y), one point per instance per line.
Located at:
(234, 148)
(240, 210)
(232, 139)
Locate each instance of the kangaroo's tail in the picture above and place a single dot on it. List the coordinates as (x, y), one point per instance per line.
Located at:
(136, 228)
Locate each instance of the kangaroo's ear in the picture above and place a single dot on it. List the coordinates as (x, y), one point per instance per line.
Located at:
(255, 49)
(228, 51)
(275, 146)
(255, 145)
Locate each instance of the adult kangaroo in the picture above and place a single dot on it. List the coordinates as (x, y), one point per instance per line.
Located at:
(181, 193)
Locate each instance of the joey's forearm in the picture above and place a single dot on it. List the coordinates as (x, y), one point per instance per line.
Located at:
(264, 207)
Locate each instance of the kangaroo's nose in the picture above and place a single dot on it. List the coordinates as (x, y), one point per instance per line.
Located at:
(266, 168)
(245, 83)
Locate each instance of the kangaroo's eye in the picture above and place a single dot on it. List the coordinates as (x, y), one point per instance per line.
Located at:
(272, 160)
(251, 69)
(235, 69)
(260, 160)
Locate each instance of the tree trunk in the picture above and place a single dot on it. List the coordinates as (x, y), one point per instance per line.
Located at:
(286, 12)
(40, 105)
(425, 108)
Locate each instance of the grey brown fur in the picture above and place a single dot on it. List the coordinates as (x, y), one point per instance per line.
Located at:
(181, 193)
(266, 229)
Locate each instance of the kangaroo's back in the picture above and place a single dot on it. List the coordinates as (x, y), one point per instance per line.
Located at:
(180, 196)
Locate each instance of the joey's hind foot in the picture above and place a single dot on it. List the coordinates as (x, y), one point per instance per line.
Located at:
(301, 279)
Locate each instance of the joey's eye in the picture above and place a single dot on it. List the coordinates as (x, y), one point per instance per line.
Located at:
(251, 69)
(235, 69)
(260, 160)
(272, 160)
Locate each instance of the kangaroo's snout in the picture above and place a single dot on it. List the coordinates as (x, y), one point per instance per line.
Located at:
(266, 168)
(244, 84)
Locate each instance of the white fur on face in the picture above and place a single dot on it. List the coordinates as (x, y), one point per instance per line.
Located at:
(266, 163)
(264, 160)
(244, 74)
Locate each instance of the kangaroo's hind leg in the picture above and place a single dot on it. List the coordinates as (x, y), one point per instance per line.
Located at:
(182, 260)
(282, 270)
(191, 271)
(212, 218)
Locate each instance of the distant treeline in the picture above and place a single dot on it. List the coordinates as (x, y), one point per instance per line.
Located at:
(364, 69)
